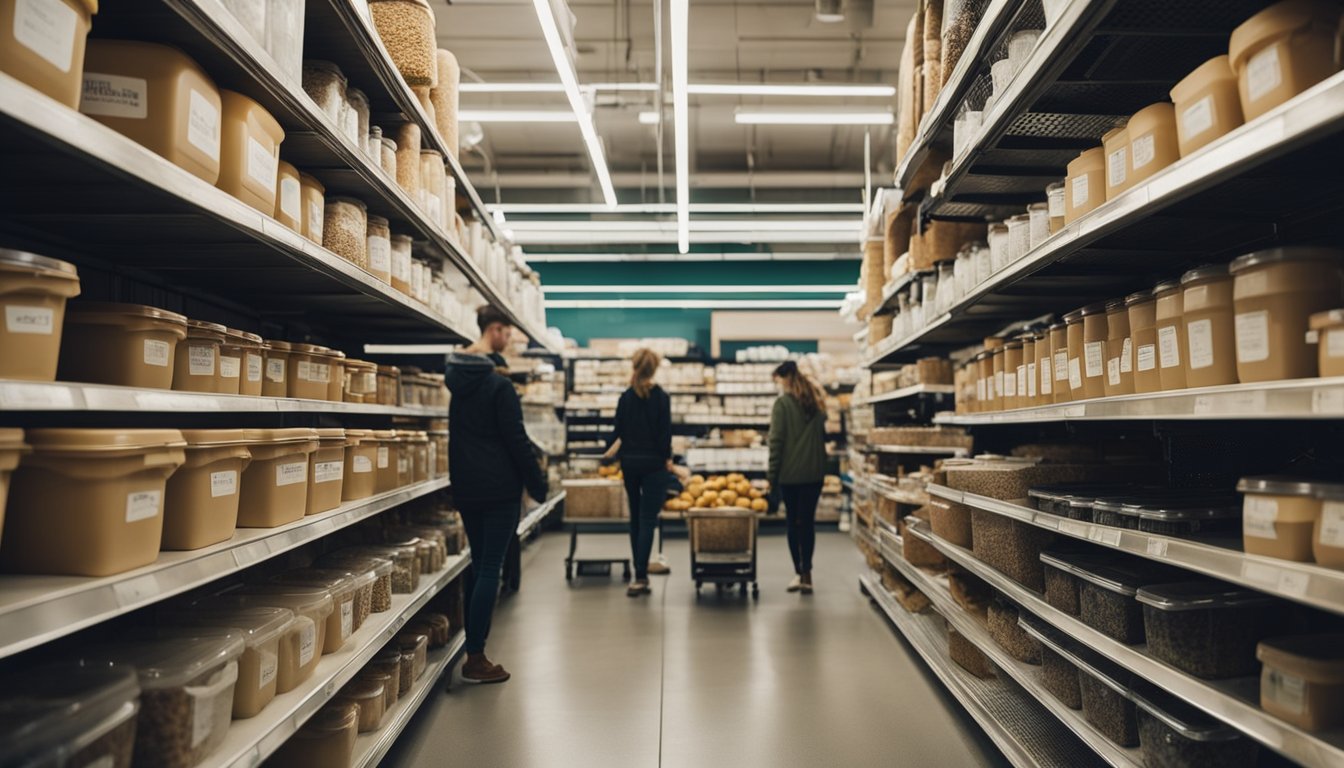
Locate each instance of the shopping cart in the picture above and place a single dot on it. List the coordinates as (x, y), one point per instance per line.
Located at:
(723, 548)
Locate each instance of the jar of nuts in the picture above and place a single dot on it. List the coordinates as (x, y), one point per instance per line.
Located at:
(406, 27)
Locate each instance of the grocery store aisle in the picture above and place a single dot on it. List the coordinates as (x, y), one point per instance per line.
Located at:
(603, 680)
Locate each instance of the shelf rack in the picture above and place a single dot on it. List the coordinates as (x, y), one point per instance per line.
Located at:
(371, 748)
(1235, 702)
(532, 519)
(881, 489)
(38, 609)
(64, 396)
(905, 393)
(915, 450)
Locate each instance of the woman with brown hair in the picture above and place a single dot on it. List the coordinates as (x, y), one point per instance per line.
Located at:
(643, 438)
(798, 464)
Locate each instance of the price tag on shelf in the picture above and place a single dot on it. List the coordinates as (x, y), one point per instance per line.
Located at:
(1328, 401)
(1110, 537)
(1265, 576)
(1047, 520)
(1203, 405)
(136, 591)
(1293, 583)
(35, 396)
(1073, 528)
(1157, 547)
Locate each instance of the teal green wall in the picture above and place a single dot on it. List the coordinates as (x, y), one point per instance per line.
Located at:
(584, 324)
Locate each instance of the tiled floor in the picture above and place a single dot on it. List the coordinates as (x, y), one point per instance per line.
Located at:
(603, 680)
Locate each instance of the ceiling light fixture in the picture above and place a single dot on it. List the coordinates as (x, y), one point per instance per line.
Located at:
(656, 208)
(693, 303)
(766, 89)
(854, 225)
(550, 29)
(649, 118)
(681, 117)
(830, 11)
(637, 258)
(516, 116)
(706, 289)
(814, 118)
(550, 87)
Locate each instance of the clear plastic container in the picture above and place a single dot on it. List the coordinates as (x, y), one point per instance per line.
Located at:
(345, 228)
(1207, 104)
(275, 485)
(363, 577)
(1142, 308)
(122, 344)
(1119, 350)
(343, 589)
(1152, 141)
(1118, 178)
(366, 693)
(390, 685)
(1172, 733)
(289, 197)
(251, 14)
(33, 294)
(388, 664)
(186, 699)
(377, 569)
(387, 156)
(107, 484)
(1204, 627)
(261, 629)
(1055, 206)
(1038, 215)
(1281, 515)
(1095, 334)
(1106, 595)
(325, 84)
(300, 647)
(1019, 236)
(414, 657)
(1329, 329)
(1172, 355)
(196, 363)
(1085, 186)
(70, 714)
(284, 36)
(999, 247)
(249, 151)
(1302, 681)
(47, 53)
(327, 471)
(201, 504)
(274, 381)
(1282, 51)
(445, 98)
(359, 116)
(1274, 294)
(405, 562)
(407, 30)
(432, 182)
(400, 274)
(327, 740)
(308, 370)
(408, 161)
(380, 248)
(1209, 328)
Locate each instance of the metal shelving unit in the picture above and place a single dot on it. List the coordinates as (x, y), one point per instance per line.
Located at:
(914, 450)
(371, 748)
(533, 518)
(905, 393)
(63, 396)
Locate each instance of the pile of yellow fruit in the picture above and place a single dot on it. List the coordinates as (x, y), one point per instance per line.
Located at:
(612, 472)
(733, 490)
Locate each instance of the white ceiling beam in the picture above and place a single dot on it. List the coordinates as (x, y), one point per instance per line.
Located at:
(681, 117)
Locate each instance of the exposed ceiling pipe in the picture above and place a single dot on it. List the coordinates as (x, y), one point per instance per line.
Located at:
(658, 103)
(803, 180)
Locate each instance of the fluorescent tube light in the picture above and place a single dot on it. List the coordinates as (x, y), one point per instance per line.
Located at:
(840, 289)
(814, 118)
(550, 29)
(467, 87)
(853, 226)
(649, 118)
(764, 89)
(638, 258)
(656, 208)
(681, 117)
(516, 116)
(764, 304)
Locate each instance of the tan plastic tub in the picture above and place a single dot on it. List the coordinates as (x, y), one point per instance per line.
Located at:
(247, 347)
(202, 496)
(46, 52)
(327, 472)
(438, 454)
(313, 199)
(33, 292)
(335, 375)
(420, 457)
(385, 466)
(343, 588)
(1152, 141)
(249, 151)
(275, 484)
(1095, 334)
(1209, 336)
(129, 345)
(1119, 350)
(1142, 308)
(300, 647)
(1207, 104)
(1274, 293)
(1085, 186)
(1116, 144)
(1005, 374)
(326, 740)
(89, 502)
(361, 464)
(1040, 366)
(275, 371)
(405, 457)
(1280, 516)
(158, 97)
(1327, 538)
(1059, 363)
(12, 448)
(361, 381)
(1282, 51)
(1329, 329)
(389, 385)
(288, 197)
(262, 629)
(1073, 331)
(196, 365)
(1302, 681)
(1171, 351)
(308, 371)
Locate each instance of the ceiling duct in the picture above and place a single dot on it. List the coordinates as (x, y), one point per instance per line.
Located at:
(830, 11)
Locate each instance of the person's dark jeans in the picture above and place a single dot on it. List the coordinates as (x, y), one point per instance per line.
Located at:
(647, 493)
(489, 528)
(800, 510)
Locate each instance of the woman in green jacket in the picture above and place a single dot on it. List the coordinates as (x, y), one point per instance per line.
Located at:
(798, 464)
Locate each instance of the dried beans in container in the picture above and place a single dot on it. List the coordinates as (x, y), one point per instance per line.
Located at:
(406, 28)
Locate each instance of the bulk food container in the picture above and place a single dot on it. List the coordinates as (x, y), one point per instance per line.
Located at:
(390, 685)
(186, 699)
(387, 468)
(230, 363)
(1183, 516)
(1003, 627)
(308, 371)
(335, 375)
(1039, 230)
(261, 629)
(1282, 51)
(414, 657)
(327, 471)
(275, 377)
(1152, 141)
(1011, 547)
(128, 345)
(405, 564)
(377, 569)
(1302, 680)
(408, 161)
(1060, 677)
(968, 656)
(44, 48)
(1142, 308)
(69, 715)
(422, 95)
(335, 580)
(325, 84)
(1119, 350)
(367, 694)
(345, 229)
(1085, 186)
(389, 385)
(1056, 368)
(1281, 515)
(1104, 699)
(342, 587)
(1205, 627)
(419, 443)
(380, 248)
(436, 626)
(1061, 583)
(288, 197)
(33, 292)
(249, 151)
(407, 29)
(388, 664)
(1172, 733)
(284, 36)
(1073, 334)
(300, 647)
(1054, 199)
(1172, 355)
(445, 98)
(1116, 144)
(997, 400)
(106, 484)
(12, 448)
(313, 203)
(158, 97)
(1207, 104)
(251, 14)
(357, 116)
(327, 739)
(1328, 534)
(275, 485)
(201, 505)
(1329, 330)
(1095, 334)
(196, 364)
(248, 348)
(400, 273)
(1210, 339)
(1005, 373)
(1274, 293)
(359, 480)
(434, 194)
(1107, 586)
(438, 446)
(361, 381)
(387, 156)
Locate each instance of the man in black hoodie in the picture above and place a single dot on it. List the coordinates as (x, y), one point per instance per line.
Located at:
(491, 461)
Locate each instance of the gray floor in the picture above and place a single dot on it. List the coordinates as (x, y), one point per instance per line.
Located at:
(603, 680)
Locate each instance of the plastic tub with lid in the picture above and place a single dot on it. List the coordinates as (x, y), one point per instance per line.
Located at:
(1328, 535)
(325, 84)
(1328, 328)
(1282, 51)
(1302, 680)
(159, 97)
(405, 562)
(378, 569)
(405, 457)
(420, 450)
(400, 275)
(313, 204)
(261, 628)
(388, 664)
(1103, 695)
(1085, 187)
(1118, 177)
(1204, 627)
(249, 151)
(328, 471)
(308, 371)
(1171, 350)
(414, 657)
(386, 470)
(335, 579)
(288, 197)
(105, 484)
(1142, 308)
(231, 362)
(275, 375)
(1073, 331)
(1207, 104)
(1184, 516)
(252, 360)
(368, 694)
(1119, 350)
(335, 375)
(128, 345)
(1094, 350)
(1107, 590)
(1059, 363)
(1005, 374)
(361, 381)
(187, 686)
(326, 740)
(342, 588)
(69, 714)
(1274, 293)
(42, 44)
(33, 292)
(1281, 515)
(380, 248)
(1152, 141)
(361, 462)
(201, 504)
(300, 646)
(1210, 339)
(275, 485)
(1173, 733)
(345, 226)
(998, 399)
(12, 448)
(388, 683)
(196, 364)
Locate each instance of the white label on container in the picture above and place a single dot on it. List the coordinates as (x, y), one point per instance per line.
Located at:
(380, 254)
(291, 473)
(156, 353)
(267, 664)
(230, 367)
(318, 373)
(1094, 355)
(1061, 366)
(997, 384)
(1263, 73)
(1075, 373)
(980, 389)
(1047, 376)
(1056, 203)
(1157, 547)
(434, 207)
(328, 471)
(1197, 118)
(1288, 692)
(401, 265)
(1117, 167)
(1334, 343)
(1147, 357)
(253, 367)
(1031, 382)
(382, 457)
(142, 505)
(363, 465)
(203, 124)
(1258, 517)
(1144, 151)
(37, 321)
(1332, 524)
(1113, 371)
(1168, 347)
(1080, 191)
(1022, 380)
(289, 198)
(302, 370)
(275, 370)
(347, 617)
(223, 483)
(114, 96)
(261, 164)
(202, 717)
(1127, 356)
(314, 220)
(404, 461)
(307, 643)
(1200, 333)
(1252, 336)
(1009, 384)
(201, 361)
(47, 27)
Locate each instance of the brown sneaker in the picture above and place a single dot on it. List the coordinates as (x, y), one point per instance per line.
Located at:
(805, 583)
(658, 568)
(480, 670)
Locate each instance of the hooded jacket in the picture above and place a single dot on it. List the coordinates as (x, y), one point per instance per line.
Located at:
(489, 454)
